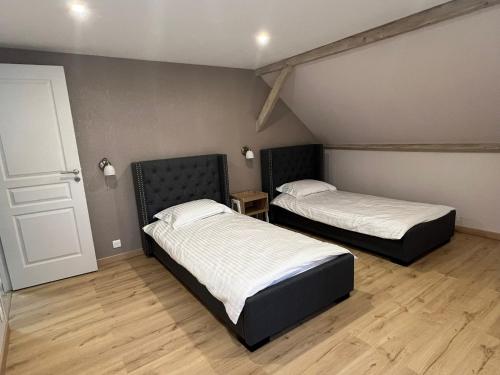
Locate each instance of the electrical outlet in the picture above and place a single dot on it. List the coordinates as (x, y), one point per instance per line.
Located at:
(117, 243)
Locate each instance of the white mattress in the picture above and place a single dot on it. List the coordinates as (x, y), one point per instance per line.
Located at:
(367, 214)
(236, 256)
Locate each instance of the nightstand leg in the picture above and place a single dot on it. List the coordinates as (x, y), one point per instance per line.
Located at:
(267, 216)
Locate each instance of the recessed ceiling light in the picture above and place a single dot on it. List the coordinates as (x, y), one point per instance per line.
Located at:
(78, 10)
(263, 38)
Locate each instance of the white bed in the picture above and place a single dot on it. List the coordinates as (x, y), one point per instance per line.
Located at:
(366, 214)
(236, 256)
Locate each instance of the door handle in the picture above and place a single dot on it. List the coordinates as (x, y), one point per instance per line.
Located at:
(74, 171)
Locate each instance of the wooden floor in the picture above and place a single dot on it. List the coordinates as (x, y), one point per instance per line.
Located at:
(439, 316)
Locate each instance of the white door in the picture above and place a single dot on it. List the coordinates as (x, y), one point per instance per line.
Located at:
(44, 222)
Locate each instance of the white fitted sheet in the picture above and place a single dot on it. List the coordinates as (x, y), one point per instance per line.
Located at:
(367, 214)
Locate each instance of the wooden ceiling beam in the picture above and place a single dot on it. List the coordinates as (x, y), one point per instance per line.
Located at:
(431, 16)
(272, 98)
(423, 147)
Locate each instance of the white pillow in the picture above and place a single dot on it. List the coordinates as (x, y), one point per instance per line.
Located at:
(302, 188)
(189, 212)
(150, 228)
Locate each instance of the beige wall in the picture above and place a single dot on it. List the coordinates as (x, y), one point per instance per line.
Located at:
(467, 181)
(129, 110)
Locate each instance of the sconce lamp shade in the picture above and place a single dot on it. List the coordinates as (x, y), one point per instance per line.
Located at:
(106, 167)
(109, 170)
(247, 152)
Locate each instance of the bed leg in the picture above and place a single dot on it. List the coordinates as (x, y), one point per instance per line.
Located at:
(343, 298)
(255, 346)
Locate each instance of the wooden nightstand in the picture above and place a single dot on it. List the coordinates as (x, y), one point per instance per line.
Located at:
(252, 203)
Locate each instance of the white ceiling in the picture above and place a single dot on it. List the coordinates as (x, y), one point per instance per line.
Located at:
(207, 32)
(437, 84)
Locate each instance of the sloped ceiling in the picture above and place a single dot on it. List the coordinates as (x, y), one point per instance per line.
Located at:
(437, 84)
(206, 32)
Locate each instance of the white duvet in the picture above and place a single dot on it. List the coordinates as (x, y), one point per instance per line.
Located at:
(236, 256)
(367, 214)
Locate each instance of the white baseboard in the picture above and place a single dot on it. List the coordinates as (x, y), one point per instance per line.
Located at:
(478, 232)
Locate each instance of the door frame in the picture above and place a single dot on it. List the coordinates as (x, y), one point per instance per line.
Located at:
(4, 272)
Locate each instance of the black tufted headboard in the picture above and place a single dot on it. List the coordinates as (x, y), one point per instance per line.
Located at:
(286, 164)
(164, 183)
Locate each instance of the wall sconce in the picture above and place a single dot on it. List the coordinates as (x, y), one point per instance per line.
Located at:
(247, 152)
(106, 167)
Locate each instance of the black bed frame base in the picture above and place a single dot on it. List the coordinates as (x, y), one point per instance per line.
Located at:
(254, 347)
(266, 340)
(279, 307)
(287, 164)
(416, 243)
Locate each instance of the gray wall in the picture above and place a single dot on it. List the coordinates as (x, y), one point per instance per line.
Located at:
(130, 110)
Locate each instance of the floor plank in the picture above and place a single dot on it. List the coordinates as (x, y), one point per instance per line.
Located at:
(439, 316)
